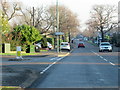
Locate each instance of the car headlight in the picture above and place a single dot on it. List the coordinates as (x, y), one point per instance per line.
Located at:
(110, 47)
(101, 47)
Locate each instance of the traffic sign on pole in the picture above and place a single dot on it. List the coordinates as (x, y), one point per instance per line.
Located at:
(59, 33)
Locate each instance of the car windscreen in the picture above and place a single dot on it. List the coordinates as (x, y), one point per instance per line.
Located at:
(64, 44)
(105, 44)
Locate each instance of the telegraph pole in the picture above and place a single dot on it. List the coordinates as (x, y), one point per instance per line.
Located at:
(33, 15)
(57, 22)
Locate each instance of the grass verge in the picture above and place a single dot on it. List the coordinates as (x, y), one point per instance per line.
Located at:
(23, 54)
(13, 53)
(9, 87)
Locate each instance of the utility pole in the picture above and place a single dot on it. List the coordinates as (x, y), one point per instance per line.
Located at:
(69, 38)
(57, 22)
(33, 15)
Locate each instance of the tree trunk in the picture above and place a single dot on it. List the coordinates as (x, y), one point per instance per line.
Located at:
(102, 33)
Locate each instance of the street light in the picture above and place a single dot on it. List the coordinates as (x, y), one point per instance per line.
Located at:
(57, 22)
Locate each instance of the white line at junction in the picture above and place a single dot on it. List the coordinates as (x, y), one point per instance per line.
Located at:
(59, 58)
(54, 58)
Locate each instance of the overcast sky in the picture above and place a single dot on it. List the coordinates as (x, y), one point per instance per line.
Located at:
(80, 7)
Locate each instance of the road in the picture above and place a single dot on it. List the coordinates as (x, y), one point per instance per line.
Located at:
(83, 68)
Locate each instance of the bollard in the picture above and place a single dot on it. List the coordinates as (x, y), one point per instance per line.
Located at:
(18, 56)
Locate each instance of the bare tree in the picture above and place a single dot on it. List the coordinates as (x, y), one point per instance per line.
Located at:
(41, 18)
(102, 18)
(9, 9)
(27, 15)
(68, 21)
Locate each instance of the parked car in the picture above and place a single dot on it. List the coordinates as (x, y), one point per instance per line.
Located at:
(105, 46)
(65, 46)
(37, 47)
(40, 46)
(49, 45)
(81, 44)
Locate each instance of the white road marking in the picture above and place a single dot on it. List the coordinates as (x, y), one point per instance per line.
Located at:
(54, 58)
(105, 59)
(101, 79)
(95, 53)
(59, 58)
(111, 63)
(47, 67)
(102, 57)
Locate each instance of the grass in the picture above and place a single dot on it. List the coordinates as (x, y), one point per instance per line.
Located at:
(9, 87)
(13, 53)
(23, 54)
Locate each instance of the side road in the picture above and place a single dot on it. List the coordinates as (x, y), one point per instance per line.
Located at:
(24, 72)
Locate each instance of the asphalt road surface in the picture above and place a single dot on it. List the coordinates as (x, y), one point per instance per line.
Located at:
(83, 68)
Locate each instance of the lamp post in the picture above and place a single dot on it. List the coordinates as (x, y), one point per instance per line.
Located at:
(33, 15)
(57, 22)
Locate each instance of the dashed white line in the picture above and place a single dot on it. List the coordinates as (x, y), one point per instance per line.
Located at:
(111, 63)
(105, 59)
(102, 58)
(95, 53)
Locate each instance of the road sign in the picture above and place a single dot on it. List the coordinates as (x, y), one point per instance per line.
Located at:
(59, 33)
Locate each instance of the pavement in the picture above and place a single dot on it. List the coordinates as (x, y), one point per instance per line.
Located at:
(24, 72)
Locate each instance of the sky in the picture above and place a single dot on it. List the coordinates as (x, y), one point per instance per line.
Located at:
(80, 7)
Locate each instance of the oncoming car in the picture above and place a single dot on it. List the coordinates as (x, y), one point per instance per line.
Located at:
(65, 46)
(105, 46)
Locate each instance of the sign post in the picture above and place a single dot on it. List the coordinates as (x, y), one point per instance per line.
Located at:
(59, 33)
(19, 56)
